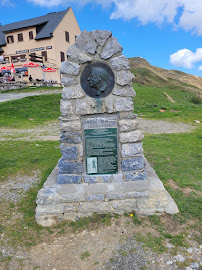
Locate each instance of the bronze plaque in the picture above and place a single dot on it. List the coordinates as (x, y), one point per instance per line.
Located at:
(97, 80)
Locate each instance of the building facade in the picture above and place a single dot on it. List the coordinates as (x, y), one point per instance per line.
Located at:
(43, 39)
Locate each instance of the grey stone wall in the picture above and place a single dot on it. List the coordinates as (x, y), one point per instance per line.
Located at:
(98, 46)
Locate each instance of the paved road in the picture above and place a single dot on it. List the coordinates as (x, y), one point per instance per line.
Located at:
(13, 96)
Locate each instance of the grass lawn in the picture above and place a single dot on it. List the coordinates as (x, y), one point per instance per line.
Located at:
(175, 157)
(32, 89)
(151, 100)
(30, 111)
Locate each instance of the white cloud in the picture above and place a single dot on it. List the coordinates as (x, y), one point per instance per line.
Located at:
(146, 11)
(200, 68)
(7, 3)
(186, 58)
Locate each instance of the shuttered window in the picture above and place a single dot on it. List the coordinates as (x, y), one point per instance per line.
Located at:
(67, 36)
(20, 37)
(44, 53)
(62, 56)
(31, 35)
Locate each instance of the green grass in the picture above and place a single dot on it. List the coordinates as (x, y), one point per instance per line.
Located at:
(30, 111)
(23, 158)
(155, 243)
(32, 89)
(84, 255)
(150, 100)
(178, 157)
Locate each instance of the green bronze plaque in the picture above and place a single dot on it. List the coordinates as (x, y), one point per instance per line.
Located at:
(100, 138)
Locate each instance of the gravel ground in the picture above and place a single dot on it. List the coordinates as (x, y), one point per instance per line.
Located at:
(160, 126)
(14, 96)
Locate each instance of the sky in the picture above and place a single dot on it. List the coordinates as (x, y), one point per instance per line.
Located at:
(167, 33)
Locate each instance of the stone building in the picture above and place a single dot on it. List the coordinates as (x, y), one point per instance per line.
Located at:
(46, 36)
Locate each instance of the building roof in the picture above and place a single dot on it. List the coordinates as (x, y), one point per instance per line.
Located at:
(47, 22)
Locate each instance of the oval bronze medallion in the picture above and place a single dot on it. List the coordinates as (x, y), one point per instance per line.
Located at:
(97, 80)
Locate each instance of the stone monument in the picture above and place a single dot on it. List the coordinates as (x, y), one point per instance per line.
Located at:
(102, 168)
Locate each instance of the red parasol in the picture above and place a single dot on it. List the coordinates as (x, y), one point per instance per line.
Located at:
(49, 70)
(5, 68)
(30, 64)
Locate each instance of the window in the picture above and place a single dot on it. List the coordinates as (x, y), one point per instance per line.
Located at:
(62, 56)
(31, 35)
(10, 39)
(67, 36)
(44, 54)
(75, 38)
(20, 37)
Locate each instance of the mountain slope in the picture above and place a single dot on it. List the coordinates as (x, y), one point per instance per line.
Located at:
(146, 74)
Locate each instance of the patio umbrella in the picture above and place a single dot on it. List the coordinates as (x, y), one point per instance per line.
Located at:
(5, 68)
(30, 64)
(49, 70)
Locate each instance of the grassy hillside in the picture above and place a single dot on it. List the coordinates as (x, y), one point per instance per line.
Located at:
(148, 75)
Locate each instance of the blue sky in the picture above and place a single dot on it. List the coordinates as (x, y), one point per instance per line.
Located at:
(167, 33)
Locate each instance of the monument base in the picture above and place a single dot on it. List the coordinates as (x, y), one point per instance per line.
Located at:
(56, 202)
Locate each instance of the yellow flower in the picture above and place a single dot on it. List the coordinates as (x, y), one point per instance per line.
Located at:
(131, 215)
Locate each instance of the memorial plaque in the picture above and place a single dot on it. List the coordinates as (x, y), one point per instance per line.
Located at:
(97, 80)
(100, 138)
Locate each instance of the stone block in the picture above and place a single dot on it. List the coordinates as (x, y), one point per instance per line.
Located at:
(124, 77)
(135, 176)
(111, 48)
(70, 125)
(137, 194)
(101, 36)
(117, 178)
(131, 149)
(69, 167)
(132, 136)
(78, 55)
(90, 179)
(132, 164)
(120, 62)
(122, 206)
(115, 196)
(66, 107)
(126, 91)
(95, 197)
(69, 153)
(128, 125)
(109, 104)
(68, 81)
(70, 207)
(68, 179)
(70, 68)
(86, 42)
(96, 207)
(127, 115)
(82, 107)
(124, 104)
(72, 92)
(70, 137)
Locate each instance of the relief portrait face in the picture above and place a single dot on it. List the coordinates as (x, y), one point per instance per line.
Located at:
(97, 80)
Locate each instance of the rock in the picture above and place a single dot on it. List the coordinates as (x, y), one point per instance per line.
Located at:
(111, 48)
(194, 265)
(124, 77)
(179, 258)
(132, 136)
(86, 42)
(66, 107)
(120, 62)
(188, 268)
(68, 179)
(69, 153)
(128, 125)
(68, 81)
(131, 149)
(70, 125)
(127, 91)
(78, 55)
(70, 68)
(135, 176)
(69, 167)
(124, 104)
(72, 92)
(82, 107)
(169, 262)
(109, 105)
(197, 121)
(190, 250)
(132, 164)
(70, 137)
(101, 36)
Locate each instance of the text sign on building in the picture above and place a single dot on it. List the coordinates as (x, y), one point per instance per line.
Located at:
(22, 51)
(100, 138)
(37, 49)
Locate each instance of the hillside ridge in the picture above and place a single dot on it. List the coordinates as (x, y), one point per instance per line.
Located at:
(146, 74)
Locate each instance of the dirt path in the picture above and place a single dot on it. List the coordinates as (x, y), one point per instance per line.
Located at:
(13, 96)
